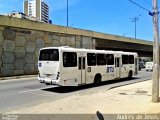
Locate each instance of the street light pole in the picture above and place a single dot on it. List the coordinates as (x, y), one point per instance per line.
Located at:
(67, 13)
(155, 85)
(135, 19)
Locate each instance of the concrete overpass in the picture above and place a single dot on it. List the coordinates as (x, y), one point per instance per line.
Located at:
(102, 40)
(111, 42)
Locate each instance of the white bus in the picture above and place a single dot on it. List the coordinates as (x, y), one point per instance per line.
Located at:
(65, 66)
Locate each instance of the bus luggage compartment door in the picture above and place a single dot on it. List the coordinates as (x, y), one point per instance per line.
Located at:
(82, 69)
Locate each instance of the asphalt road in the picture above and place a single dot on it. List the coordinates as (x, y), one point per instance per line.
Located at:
(25, 92)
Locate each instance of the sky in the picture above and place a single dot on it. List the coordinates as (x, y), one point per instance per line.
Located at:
(106, 16)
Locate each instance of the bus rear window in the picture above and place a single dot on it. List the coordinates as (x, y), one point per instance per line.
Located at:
(49, 55)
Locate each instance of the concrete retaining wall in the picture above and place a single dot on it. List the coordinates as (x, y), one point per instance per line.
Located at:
(19, 48)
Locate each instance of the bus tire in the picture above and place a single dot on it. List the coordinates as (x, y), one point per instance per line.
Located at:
(97, 79)
(130, 74)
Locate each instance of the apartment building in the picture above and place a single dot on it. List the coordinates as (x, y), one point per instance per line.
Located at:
(36, 8)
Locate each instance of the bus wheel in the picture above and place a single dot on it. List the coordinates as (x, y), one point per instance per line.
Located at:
(130, 74)
(97, 79)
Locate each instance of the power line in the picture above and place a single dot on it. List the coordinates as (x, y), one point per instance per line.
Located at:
(139, 5)
(150, 13)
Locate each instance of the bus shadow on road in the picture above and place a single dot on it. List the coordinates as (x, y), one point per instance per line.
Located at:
(83, 87)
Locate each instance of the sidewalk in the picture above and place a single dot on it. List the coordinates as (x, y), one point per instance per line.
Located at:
(133, 98)
(17, 77)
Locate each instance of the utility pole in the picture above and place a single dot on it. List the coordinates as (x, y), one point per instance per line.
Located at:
(155, 85)
(155, 76)
(135, 19)
(67, 13)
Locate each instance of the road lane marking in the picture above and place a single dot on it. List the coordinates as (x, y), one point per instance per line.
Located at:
(30, 90)
(35, 89)
(41, 94)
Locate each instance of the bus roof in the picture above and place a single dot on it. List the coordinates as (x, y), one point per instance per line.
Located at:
(70, 49)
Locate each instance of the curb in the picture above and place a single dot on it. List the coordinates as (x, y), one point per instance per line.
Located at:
(127, 84)
(17, 77)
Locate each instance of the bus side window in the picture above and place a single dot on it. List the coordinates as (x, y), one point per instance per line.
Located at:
(69, 59)
(131, 59)
(110, 59)
(125, 59)
(91, 59)
(101, 59)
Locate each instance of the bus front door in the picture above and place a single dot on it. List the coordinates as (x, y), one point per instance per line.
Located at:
(82, 69)
(118, 67)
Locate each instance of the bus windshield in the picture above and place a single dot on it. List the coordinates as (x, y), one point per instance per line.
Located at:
(49, 55)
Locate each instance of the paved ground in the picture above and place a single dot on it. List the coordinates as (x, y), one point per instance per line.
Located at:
(130, 102)
(133, 98)
(26, 92)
